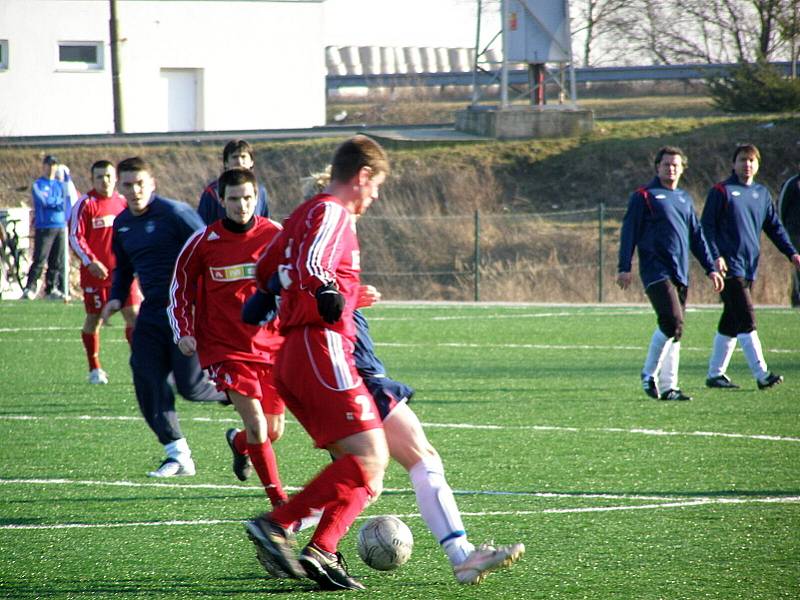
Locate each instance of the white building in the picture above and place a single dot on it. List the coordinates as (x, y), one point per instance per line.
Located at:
(186, 65)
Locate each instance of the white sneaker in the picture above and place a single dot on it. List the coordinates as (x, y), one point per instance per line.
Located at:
(172, 467)
(56, 295)
(98, 377)
(486, 558)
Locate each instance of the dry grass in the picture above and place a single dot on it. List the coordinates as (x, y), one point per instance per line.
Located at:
(546, 257)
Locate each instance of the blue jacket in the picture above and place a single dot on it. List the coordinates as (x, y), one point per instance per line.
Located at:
(732, 220)
(148, 246)
(663, 225)
(51, 203)
(211, 209)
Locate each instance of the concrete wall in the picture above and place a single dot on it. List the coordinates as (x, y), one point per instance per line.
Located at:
(259, 65)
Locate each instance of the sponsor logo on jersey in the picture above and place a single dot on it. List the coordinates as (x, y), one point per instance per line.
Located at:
(124, 229)
(735, 193)
(149, 227)
(661, 196)
(212, 236)
(755, 195)
(233, 272)
(103, 221)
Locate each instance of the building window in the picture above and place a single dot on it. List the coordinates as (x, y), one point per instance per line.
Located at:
(3, 55)
(80, 56)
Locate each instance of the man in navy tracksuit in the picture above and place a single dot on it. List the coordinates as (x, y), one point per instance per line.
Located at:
(148, 236)
(237, 153)
(736, 212)
(662, 223)
(789, 213)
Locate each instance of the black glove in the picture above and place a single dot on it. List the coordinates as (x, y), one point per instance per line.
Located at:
(330, 303)
(260, 308)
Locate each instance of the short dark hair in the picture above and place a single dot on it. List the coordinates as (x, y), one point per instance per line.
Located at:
(100, 164)
(749, 149)
(49, 160)
(236, 176)
(237, 147)
(354, 154)
(674, 150)
(134, 165)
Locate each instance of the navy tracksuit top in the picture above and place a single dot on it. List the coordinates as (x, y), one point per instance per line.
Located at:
(148, 246)
(663, 225)
(732, 220)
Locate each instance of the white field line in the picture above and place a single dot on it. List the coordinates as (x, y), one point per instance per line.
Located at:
(555, 428)
(469, 345)
(591, 509)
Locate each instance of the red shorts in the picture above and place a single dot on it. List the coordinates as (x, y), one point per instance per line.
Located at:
(316, 376)
(250, 379)
(95, 298)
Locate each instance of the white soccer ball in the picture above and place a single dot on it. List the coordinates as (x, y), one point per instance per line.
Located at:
(385, 543)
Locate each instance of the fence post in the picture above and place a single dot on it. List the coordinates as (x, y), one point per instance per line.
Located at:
(601, 217)
(477, 255)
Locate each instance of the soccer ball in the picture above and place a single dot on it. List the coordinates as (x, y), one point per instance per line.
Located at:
(385, 543)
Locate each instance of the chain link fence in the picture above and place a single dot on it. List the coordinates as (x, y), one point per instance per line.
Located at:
(568, 256)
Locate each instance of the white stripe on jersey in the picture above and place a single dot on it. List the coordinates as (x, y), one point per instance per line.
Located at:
(320, 242)
(73, 230)
(195, 239)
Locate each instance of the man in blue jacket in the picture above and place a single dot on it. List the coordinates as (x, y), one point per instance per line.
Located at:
(52, 206)
(661, 222)
(148, 236)
(736, 212)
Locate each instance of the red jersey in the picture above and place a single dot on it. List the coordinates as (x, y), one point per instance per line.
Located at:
(214, 275)
(318, 247)
(90, 232)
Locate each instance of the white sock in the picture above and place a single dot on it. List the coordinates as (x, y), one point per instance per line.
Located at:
(751, 346)
(655, 353)
(439, 510)
(721, 353)
(668, 377)
(179, 450)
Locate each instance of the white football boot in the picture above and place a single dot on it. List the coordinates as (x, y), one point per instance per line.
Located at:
(485, 559)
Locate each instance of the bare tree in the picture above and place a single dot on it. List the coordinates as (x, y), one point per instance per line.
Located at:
(595, 20)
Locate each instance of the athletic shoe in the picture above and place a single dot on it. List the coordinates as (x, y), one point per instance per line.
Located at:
(328, 570)
(277, 545)
(649, 386)
(98, 377)
(28, 294)
(722, 382)
(769, 381)
(56, 295)
(485, 559)
(674, 395)
(172, 467)
(242, 467)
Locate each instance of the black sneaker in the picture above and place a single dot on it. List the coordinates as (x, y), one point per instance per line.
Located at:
(277, 545)
(328, 570)
(769, 381)
(649, 386)
(722, 382)
(674, 395)
(242, 467)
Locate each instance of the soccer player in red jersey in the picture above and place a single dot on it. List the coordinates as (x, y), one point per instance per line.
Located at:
(315, 371)
(90, 235)
(214, 274)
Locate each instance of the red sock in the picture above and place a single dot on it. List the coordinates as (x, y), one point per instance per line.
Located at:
(340, 482)
(240, 442)
(129, 334)
(91, 342)
(337, 519)
(263, 458)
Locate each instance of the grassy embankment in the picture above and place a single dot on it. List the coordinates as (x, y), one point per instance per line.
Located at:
(537, 257)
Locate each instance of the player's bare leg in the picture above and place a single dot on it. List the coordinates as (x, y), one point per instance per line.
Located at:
(260, 431)
(409, 446)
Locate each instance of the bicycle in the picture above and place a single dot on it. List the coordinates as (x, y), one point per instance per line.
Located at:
(12, 257)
